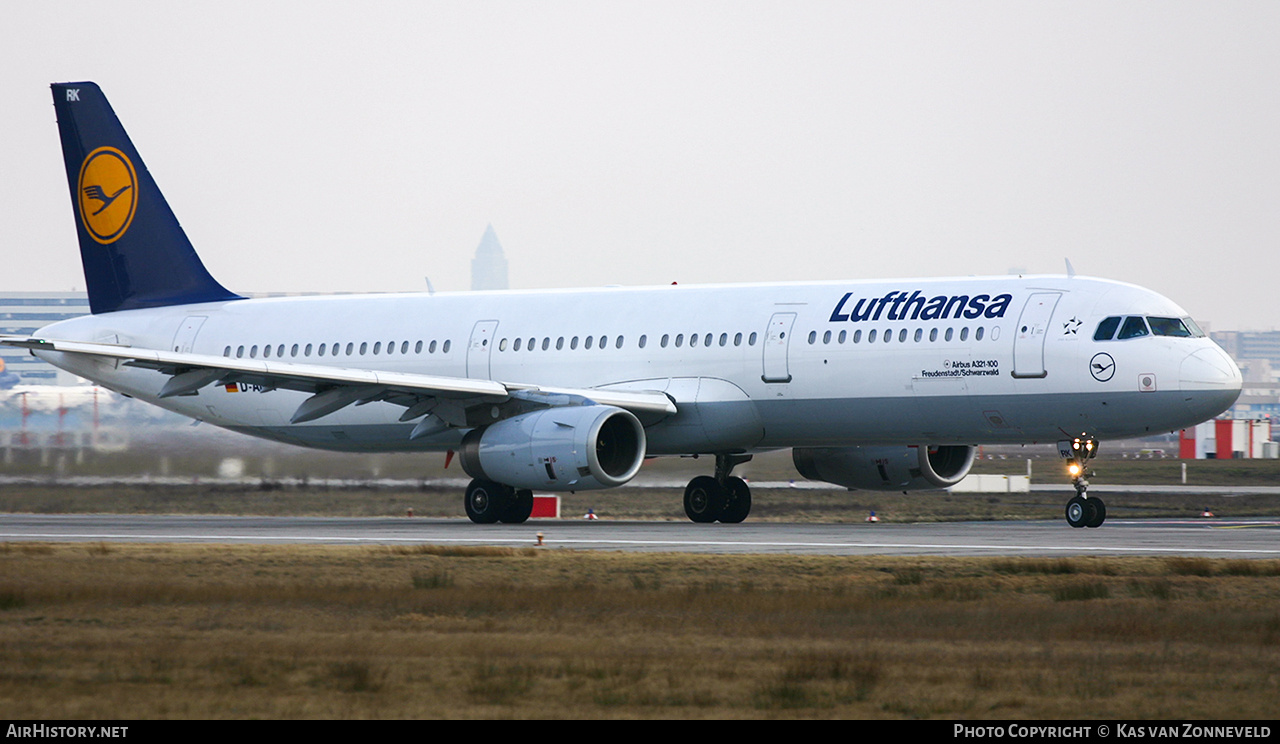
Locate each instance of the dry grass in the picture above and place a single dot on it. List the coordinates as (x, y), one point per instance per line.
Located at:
(151, 631)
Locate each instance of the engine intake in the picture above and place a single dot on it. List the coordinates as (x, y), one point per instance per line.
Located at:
(914, 468)
(572, 448)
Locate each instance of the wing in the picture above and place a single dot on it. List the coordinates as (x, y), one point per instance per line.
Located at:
(441, 401)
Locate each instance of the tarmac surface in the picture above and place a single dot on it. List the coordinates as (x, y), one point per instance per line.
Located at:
(1213, 538)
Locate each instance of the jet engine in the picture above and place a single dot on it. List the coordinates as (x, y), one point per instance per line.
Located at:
(570, 448)
(914, 468)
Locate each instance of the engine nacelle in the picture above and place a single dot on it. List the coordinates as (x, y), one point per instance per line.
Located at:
(916, 468)
(571, 448)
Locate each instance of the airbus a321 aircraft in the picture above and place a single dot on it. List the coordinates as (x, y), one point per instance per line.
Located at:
(882, 385)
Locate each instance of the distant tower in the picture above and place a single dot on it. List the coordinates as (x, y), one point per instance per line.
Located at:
(489, 267)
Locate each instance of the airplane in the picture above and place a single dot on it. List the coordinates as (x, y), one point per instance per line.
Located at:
(881, 385)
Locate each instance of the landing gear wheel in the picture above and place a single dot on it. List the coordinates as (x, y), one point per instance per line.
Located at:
(486, 501)
(738, 503)
(1082, 511)
(518, 508)
(1099, 512)
(704, 499)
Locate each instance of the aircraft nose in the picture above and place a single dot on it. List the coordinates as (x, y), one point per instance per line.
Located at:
(1209, 368)
(1210, 380)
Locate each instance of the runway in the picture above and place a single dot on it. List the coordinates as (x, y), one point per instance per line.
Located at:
(1237, 538)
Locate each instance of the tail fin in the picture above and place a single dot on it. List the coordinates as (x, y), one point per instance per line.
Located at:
(135, 253)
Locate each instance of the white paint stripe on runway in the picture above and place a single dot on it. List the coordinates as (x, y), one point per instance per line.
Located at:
(552, 542)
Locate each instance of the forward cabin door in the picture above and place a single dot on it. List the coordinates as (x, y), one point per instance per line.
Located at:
(1033, 327)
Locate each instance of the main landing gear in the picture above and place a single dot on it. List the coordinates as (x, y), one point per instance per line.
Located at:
(723, 498)
(1082, 510)
(489, 502)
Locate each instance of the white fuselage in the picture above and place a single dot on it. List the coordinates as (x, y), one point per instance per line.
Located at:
(749, 367)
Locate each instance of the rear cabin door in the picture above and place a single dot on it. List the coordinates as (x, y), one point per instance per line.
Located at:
(185, 338)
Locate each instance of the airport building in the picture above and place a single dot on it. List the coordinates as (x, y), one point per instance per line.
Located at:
(23, 313)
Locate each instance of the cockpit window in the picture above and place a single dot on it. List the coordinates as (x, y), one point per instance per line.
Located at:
(1169, 327)
(1191, 326)
(1136, 327)
(1133, 327)
(1107, 329)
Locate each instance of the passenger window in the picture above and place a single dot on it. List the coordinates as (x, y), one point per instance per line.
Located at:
(377, 347)
(587, 344)
(573, 343)
(813, 336)
(826, 337)
(857, 336)
(560, 343)
(693, 340)
(617, 343)
(643, 340)
(1107, 329)
(977, 335)
(516, 346)
(919, 334)
(707, 341)
(502, 345)
(604, 342)
(226, 352)
(1134, 326)
(546, 343)
(417, 348)
(679, 339)
(933, 334)
(364, 348)
(964, 333)
(842, 337)
(307, 351)
(871, 336)
(950, 333)
(751, 341)
(724, 339)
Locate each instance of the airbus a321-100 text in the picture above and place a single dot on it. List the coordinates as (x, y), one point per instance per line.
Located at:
(883, 385)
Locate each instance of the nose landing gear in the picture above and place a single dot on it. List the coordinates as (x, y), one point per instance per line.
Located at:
(1082, 510)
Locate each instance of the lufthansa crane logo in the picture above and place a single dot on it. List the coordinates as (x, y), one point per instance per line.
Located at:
(1102, 367)
(108, 194)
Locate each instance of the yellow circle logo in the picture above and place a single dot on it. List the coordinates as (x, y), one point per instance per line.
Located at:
(108, 194)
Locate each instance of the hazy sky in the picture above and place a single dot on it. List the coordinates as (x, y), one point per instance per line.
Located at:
(335, 146)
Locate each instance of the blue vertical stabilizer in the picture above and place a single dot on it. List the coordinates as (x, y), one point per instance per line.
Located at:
(135, 253)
